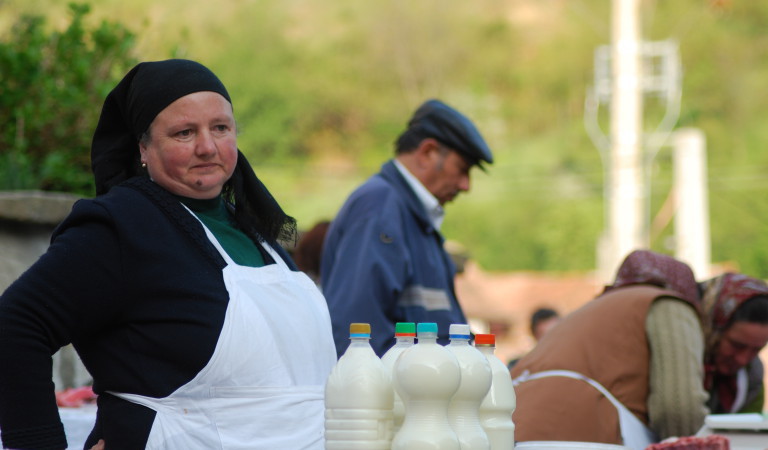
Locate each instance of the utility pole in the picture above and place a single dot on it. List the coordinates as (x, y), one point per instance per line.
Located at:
(692, 236)
(626, 72)
(626, 196)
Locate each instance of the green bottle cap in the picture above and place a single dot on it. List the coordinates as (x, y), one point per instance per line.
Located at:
(405, 329)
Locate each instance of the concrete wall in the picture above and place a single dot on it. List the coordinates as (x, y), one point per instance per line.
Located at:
(27, 219)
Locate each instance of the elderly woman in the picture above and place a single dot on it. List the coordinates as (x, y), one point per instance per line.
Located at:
(626, 368)
(735, 310)
(196, 327)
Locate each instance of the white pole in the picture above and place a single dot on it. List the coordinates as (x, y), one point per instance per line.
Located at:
(627, 222)
(692, 238)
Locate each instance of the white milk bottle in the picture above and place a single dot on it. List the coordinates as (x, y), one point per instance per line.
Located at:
(463, 411)
(358, 397)
(405, 335)
(426, 377)
(497, 407)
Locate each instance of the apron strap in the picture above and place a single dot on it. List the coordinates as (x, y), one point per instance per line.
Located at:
(275, 256)
(741, 390)
(634, 433)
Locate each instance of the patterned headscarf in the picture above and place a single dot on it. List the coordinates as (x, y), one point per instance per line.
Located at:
(647, 267)
(721, 297)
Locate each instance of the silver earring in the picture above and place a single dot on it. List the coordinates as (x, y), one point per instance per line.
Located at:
(143, 165)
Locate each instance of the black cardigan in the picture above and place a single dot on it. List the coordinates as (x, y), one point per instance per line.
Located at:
(132, 281)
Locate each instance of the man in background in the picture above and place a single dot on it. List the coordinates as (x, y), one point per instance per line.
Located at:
(383, 259)
(542, 320)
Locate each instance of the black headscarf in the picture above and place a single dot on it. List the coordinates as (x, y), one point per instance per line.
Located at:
(128, 112)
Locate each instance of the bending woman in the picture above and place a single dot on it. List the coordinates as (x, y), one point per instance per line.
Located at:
(626, 368)
(736, 324)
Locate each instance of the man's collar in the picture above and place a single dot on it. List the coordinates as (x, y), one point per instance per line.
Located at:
(434, 210)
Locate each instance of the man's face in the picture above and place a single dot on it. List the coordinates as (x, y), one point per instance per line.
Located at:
(447, 174)
(739, 345)
(544, 326)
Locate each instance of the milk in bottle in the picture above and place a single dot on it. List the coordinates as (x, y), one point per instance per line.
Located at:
(426, 376)
(497, 407)
(463, 411)
(358, 397)
(405, 335)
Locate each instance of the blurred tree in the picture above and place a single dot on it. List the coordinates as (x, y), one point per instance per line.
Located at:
(52, 84)
(321, 89)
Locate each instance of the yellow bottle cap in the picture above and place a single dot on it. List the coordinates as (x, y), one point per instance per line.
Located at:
(359, 328)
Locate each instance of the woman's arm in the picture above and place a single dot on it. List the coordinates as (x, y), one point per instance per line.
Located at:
(677, 399)
(39, 313)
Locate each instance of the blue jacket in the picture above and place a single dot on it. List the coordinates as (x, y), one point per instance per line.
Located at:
(383, 262)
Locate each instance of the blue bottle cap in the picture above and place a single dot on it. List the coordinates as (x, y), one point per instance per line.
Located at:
(426, 327)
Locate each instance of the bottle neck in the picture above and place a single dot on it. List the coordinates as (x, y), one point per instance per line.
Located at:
(459, 341)
(358, 341)
(487, 349)
(404, 340)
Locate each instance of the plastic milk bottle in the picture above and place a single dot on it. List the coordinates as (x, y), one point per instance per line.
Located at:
(463, 411)
(358, 397)
(426, 377)
(405, 335)
(497, 407)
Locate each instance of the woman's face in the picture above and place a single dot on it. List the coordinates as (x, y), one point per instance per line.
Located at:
(739, 345)
(192, 149)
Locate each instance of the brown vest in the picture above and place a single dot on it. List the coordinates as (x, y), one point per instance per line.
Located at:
(604, 340)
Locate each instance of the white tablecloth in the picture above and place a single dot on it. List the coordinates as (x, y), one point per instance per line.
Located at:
(78, 423)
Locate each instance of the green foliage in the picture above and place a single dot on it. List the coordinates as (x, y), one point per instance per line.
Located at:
(51, 89)
(321, 90)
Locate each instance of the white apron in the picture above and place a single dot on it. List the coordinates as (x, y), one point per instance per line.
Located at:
(263, 387)
(634, 433)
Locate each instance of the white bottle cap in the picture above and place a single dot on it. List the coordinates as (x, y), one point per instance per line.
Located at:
(459, 331)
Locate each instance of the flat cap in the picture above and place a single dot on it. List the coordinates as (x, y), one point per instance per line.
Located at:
(438, 120)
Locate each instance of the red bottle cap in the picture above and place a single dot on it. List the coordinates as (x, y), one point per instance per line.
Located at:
(485, 339)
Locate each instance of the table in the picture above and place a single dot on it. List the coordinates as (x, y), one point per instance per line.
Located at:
(78, 423)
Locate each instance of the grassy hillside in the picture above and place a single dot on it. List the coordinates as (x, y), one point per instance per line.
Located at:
(321, 89)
